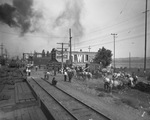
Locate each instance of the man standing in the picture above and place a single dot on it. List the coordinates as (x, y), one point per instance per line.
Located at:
(45, 75)
(36, 67)
(65, 75)
(48, 75)
(70, 75)
(29, 72)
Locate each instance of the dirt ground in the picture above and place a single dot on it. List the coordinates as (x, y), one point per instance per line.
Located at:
(125, 104)
(127, 100)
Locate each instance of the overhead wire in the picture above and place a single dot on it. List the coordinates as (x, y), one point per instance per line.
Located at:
(65, 37)
(123, 39)
(108, 27)
(127, 30)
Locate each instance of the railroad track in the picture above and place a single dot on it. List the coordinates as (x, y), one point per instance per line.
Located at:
(74, 108)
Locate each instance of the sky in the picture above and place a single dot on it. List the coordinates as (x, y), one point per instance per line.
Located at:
(34, 25)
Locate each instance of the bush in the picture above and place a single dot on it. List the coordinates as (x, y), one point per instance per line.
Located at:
(142, 87)
(148, 78)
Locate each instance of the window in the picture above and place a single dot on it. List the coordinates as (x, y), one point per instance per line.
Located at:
(75, 57)
(86, 57)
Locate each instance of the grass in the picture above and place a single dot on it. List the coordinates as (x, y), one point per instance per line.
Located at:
(129, 103)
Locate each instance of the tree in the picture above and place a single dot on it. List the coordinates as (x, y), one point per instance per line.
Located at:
(17, 58)
(43, 53)
(53, 54)
(104, 57)
(2, 61)
(35, 54)
(47, 54)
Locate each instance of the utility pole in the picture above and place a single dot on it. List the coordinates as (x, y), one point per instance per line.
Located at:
(2, 47)
(145, 35)
(70, 46)
(62, 53)
(129, 60)
(114, 49)
(6, 53)
(89, 48)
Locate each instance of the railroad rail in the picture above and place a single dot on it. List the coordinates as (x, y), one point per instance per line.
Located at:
(71, 107)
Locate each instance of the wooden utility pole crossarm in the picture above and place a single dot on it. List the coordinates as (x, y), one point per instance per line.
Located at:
(62, 53)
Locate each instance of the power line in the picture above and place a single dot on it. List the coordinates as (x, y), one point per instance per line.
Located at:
(122, 31)
(92, 39)
(123, 39)
(101, 29)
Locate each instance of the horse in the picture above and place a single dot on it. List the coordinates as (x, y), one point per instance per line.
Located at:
(117, 84)
(79, 75)
(84, 75)
(87, 75)
(74, 73)
(110, 83)
(70, 74)
(107, 83)
(131, 80)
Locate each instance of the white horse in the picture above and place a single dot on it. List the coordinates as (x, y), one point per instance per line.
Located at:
(109, 83)
(87, 75)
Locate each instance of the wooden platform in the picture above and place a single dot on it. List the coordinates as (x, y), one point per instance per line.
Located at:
(28, 113)
(52, 110)
(23, 93)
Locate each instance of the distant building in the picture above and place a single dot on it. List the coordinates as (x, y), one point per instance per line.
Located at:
(79, 58)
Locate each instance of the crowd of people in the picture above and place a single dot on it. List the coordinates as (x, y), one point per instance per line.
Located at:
(110, 79)
(119, 80)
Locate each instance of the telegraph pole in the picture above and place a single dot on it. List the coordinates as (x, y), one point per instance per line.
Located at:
(145, 35)
(6, 53)
(2, 47)
(70, 46)
(89, 48)
(62, 53)
(114, 48)
(129, 60)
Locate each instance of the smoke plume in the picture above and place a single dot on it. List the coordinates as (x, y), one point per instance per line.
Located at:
(7, 14)
(20, 14)
(71, 16)
(23, 15)
(39, 24)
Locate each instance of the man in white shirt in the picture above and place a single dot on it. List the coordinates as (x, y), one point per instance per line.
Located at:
(48, 74)
(29, 72)
(65, 75)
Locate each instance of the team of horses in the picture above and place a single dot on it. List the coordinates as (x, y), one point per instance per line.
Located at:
(111, 80)
(80, 73)
(119, 80)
